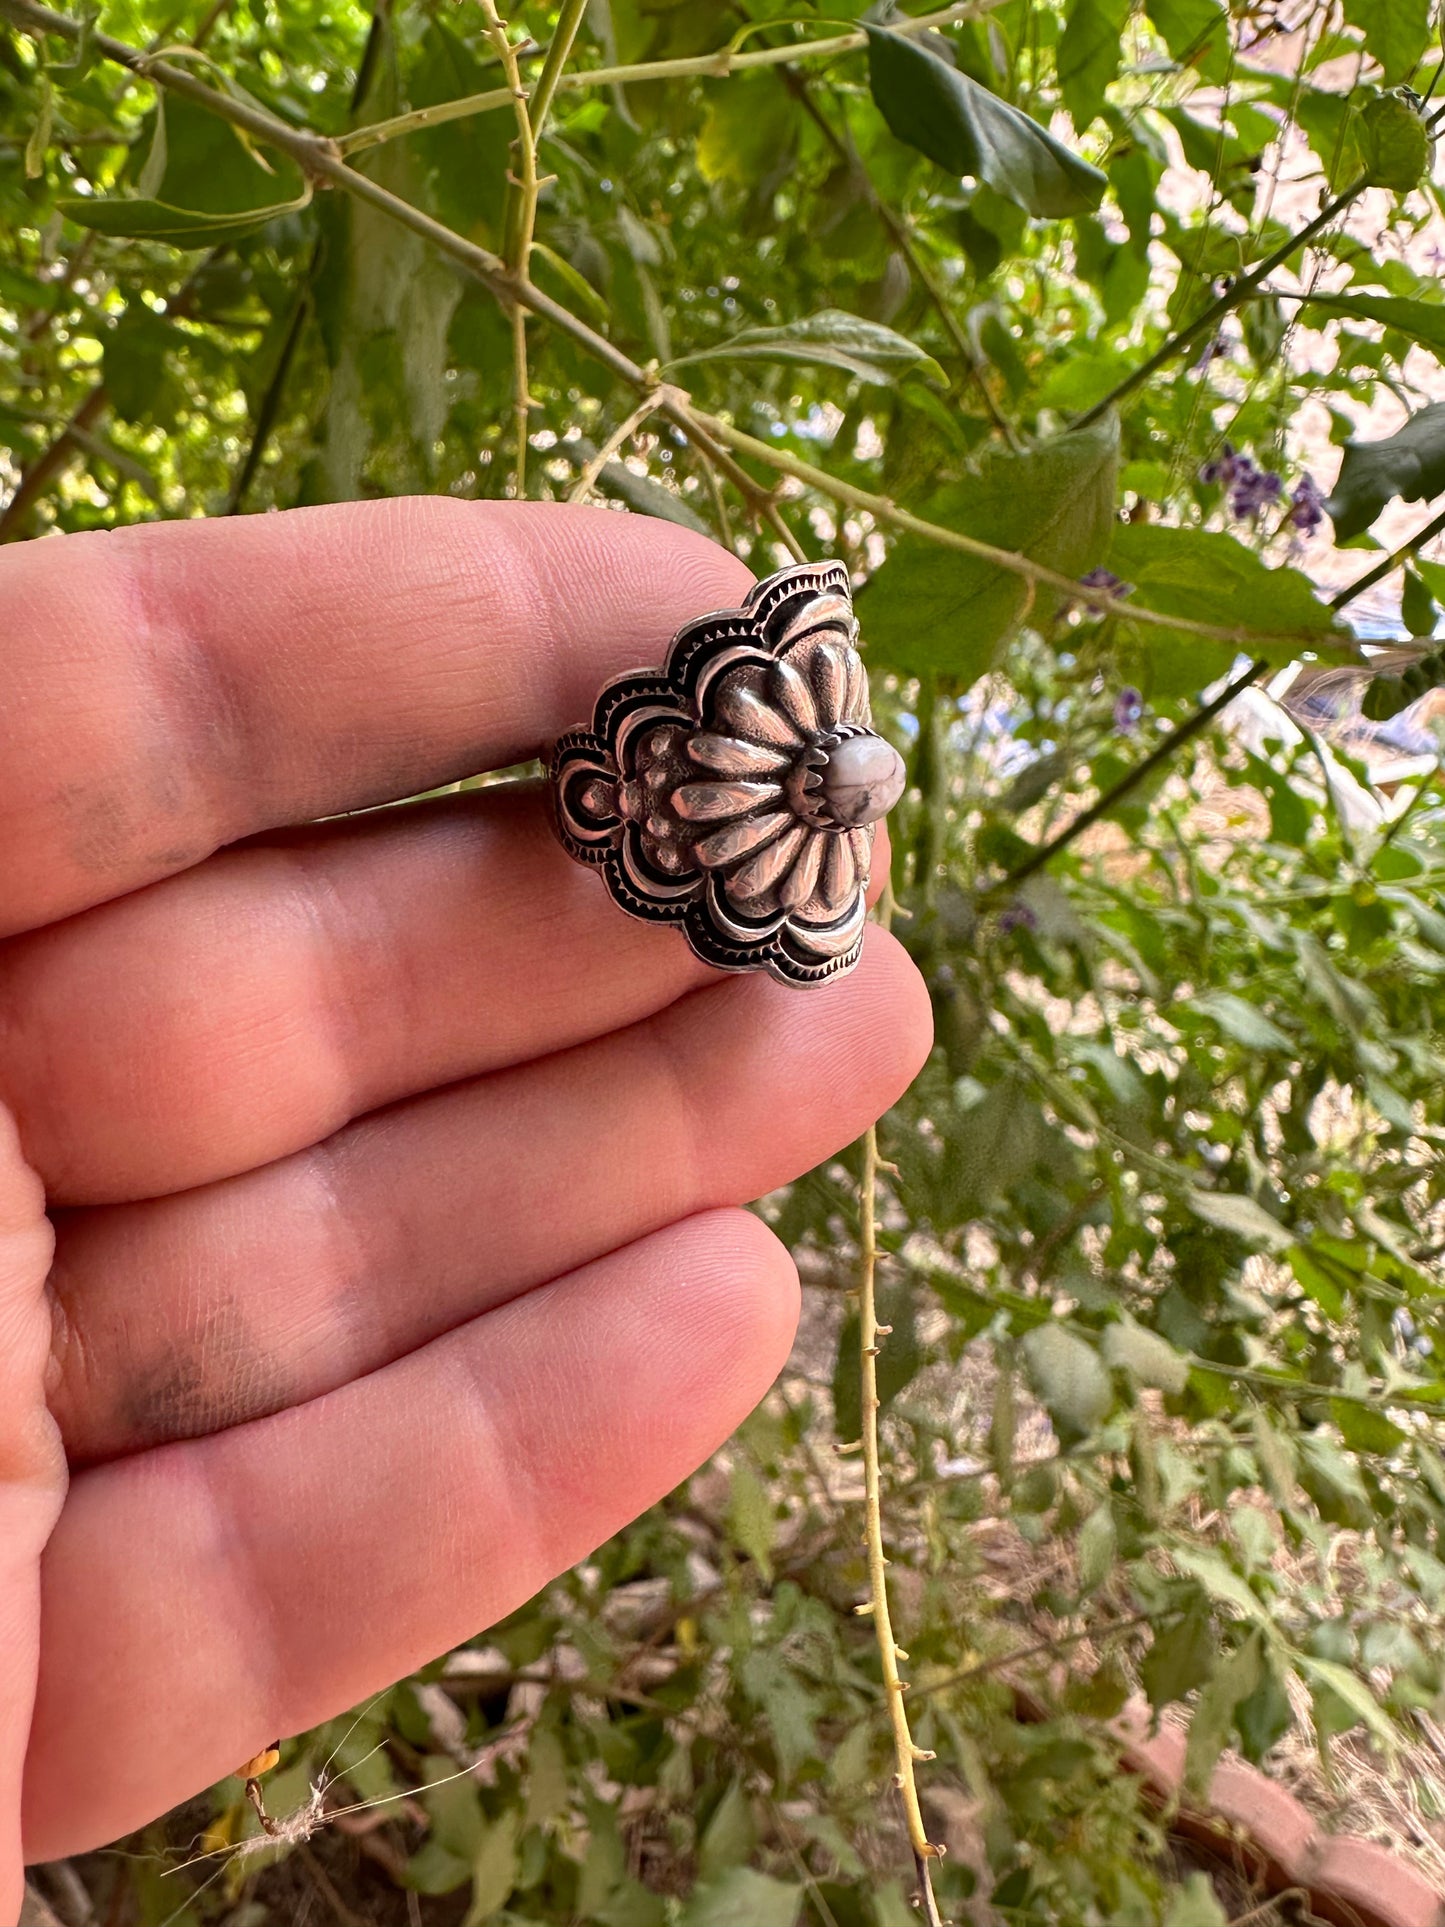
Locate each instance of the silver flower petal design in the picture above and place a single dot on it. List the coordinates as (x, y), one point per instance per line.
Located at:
(736, 791)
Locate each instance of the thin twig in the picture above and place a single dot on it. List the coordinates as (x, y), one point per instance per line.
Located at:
(1057, 1644)
(714, 66)
(623, 432)
(521, 207)
(1115, 794)
(1209, 320)
(1383, 567)
(905, 1752)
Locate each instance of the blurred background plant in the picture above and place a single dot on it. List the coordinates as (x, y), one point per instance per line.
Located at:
(1050, 319)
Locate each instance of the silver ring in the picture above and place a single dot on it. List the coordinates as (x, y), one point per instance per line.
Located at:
(735, 790)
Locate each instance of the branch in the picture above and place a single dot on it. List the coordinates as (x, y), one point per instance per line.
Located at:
(1383, 567)
(1058, 1643)
(1162, 751)
(713, 66)
(1208, 322)
(49, 463)
(889, 1652)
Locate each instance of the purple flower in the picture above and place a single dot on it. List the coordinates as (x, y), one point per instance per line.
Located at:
(1106, 580)
(1017, 916)
(1128, 708)
(1221, 469)
(1212, 351)
(1249, 487)
(1307, 504)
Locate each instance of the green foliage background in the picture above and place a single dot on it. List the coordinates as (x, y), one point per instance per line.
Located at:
(1163, 1216)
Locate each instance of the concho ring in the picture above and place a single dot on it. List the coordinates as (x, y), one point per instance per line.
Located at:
(735, 790)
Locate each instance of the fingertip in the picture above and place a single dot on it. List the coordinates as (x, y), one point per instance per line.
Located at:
(735, 1302)
(902, 996)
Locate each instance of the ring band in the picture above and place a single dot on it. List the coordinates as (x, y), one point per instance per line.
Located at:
(735, 790)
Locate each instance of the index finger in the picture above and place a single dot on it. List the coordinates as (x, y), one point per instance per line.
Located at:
(167, 689)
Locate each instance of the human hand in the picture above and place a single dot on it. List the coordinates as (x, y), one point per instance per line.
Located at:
(394, 1174)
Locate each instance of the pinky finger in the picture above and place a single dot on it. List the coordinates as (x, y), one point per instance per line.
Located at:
(263, 1579)
(32, 1475)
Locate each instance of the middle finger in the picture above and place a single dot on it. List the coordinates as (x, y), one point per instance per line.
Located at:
(228, 1016)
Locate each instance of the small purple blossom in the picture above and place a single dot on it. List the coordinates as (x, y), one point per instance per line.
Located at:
(1213, 349)
(1307, 504)
(1108, 582)
(1250, 488)
(1128, 708)
(1017, 916)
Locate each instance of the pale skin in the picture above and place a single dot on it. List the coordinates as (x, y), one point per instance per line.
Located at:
(394, 1256)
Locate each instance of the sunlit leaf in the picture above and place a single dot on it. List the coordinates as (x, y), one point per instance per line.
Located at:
(933, 609)
(830, 339)
(1409, 464)
(971, 132)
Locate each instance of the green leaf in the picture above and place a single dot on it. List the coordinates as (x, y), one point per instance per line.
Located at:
(138, 220)
(494, 1869)
(1386, 696)
(1364, 1429)
(1396, 32)
(1354, 1694)
(1394, 142)
(148, 181)
(1196, 32)
(1234, 1679)
(1069, 1377)
(201, 183)
(1316, 1281)
(968, 131)
(1146, 1357)
(1240, 1215)
(730, 1837)
(1410, 463)
(547, 1781)
(1211, 577)
(742, 1898)
(39, 139)
(644, 493)
(829, 339)
(1241, 1020)
(1098, 1543)
(1181, 1658)
(1421, 321)
(1265, 1716)
(1196, 1904)
(1417, 606)
(1090, 51)
(750, 1517)
(932, 610)
(749, 126)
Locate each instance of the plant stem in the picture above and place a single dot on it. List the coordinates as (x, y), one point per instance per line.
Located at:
(1207, 322)
(1059, 1643)
(270, 403)
(1383, 567)
(869, 1333)
(714, 66)
(517, 225)
(623, 432)
(1113, 796)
